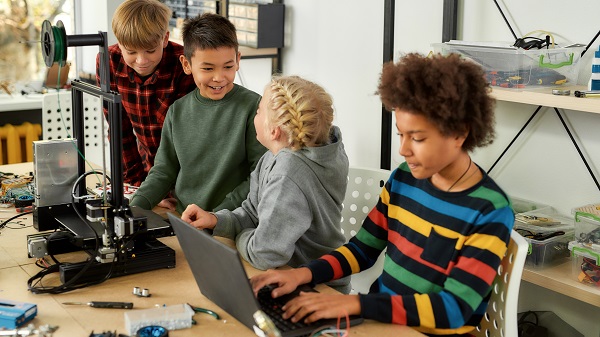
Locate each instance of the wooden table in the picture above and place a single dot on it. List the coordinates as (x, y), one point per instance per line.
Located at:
(167, 287)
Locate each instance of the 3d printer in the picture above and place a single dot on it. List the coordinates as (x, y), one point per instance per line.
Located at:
(119, 239)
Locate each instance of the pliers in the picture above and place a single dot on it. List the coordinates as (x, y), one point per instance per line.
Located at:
(203, 311)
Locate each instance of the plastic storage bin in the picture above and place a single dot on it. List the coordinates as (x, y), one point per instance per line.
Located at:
(511, 67)
(523, 205)
(587, 224)
(171, 317)
(585, 260)
(548, 234)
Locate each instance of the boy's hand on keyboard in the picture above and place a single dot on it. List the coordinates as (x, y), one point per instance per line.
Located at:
(282, 281)
(315, 306)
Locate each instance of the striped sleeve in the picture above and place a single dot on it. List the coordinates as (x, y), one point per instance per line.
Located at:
(442, 253)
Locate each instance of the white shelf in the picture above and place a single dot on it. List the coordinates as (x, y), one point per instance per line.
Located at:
(560, 279)
(19, 102)
(546, 98)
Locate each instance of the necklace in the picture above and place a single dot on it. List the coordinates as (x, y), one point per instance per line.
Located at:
(461, 176)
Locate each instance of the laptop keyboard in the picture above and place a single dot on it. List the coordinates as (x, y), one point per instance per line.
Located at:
(272, 307)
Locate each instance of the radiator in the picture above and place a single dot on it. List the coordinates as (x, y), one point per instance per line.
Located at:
(16, 142)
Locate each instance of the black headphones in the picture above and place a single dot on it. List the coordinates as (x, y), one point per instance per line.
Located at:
(530, 42)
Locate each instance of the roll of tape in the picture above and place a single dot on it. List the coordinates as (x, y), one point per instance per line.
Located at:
(152, 331)
(561, 92)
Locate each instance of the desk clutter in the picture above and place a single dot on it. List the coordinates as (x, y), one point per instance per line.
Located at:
(16, 191)
(555, 238)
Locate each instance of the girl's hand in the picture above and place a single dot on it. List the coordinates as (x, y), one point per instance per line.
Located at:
(198, 217)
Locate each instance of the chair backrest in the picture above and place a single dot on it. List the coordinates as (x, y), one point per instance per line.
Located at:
(364, 187)
(500, 319)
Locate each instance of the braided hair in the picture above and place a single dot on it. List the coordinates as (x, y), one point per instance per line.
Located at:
(302, 110)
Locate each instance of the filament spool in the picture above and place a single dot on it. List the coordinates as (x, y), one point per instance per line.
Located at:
(55, 41)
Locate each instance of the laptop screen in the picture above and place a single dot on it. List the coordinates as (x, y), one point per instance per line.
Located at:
(218, 271)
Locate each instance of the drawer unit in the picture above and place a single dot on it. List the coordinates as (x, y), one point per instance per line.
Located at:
(258, 25)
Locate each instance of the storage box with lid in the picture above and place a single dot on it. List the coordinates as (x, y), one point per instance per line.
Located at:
(171, 317)
(521, 205)
(548, 234)
(585, 259)
(587, 223)
(511, 67)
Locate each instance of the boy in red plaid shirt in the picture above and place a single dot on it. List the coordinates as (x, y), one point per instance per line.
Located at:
(145, 70)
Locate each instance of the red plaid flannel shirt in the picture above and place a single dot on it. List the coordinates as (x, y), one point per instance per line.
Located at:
(145, 105)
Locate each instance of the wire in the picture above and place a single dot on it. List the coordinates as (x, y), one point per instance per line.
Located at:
(76, 183)
(71, 283)
(5, 222)
(542, 32)
(338, 331)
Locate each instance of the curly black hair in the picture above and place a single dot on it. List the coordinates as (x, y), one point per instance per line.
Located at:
(451, 92)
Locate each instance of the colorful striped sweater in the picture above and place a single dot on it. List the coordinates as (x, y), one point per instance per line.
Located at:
(443, 250)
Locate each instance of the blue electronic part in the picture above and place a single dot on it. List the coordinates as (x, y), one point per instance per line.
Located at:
(14, 314)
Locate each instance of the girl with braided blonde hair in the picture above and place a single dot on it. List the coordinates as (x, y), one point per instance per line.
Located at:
(302, 109)
(293, 211)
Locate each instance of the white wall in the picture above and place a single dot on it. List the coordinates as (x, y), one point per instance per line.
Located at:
(96, 16)
(339, 45)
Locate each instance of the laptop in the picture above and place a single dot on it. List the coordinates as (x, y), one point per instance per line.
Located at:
(221, 277)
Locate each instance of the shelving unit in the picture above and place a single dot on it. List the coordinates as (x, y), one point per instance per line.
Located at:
(557, 278)
(545, 97)
(257, 25)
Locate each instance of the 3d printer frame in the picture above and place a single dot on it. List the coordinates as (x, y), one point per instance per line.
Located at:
(133, 247)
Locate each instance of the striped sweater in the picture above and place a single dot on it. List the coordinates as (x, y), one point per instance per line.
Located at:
(443, 250)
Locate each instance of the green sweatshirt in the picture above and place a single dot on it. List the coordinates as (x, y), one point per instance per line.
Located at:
(207, 151)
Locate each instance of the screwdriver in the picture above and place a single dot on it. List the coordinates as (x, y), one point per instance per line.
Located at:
(110, 305)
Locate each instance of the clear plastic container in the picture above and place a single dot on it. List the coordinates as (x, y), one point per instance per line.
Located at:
(587, 223)
(516, 68)
(171, 317)
(523, 205)
(585, 263)
(548, 234)
(548, 252)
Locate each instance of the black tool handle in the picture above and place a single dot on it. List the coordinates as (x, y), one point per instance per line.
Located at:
(111, 305)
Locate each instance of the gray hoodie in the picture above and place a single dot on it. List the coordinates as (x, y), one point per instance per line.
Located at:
(293, 211)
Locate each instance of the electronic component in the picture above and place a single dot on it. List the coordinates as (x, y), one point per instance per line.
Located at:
(14, 314)
(152, 331)
(561, 92)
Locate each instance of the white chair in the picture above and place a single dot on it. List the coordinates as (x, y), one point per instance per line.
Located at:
(500, 319)
(364, 187)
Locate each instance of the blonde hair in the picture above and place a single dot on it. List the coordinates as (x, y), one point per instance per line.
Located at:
(141, 24)
(302, 110)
